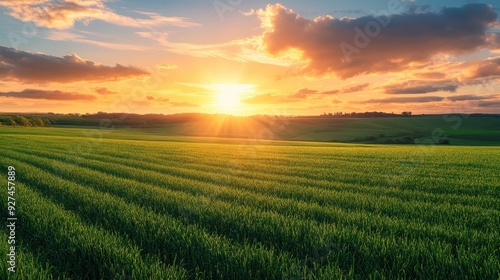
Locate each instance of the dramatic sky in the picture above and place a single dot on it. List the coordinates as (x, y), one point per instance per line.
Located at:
(249, 57)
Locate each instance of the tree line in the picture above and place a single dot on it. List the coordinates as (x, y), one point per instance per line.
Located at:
(24, 121)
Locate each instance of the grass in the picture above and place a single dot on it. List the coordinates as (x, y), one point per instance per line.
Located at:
(168, 207)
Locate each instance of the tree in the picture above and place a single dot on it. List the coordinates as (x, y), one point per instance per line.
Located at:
(22, 121)
(10, 121)
(46, 122)
(406, 114)
(37, 122)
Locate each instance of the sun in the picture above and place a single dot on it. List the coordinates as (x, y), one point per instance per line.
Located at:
(228, 96)
(227, 100)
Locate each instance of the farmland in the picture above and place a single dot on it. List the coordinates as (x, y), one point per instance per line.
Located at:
(204, 208)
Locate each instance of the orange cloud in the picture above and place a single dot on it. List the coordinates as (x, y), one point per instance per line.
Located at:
(105, 91)
(303, 93)
(32, 68)
(48, 94)
(488, 68)
(172, 103)
(348, 47)
(355, 88)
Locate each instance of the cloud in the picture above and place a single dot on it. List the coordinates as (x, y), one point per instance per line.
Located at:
(155, 99)
(167, 66)
(494, 39)
(355, 88)
(268, 98)
(62, 14)
(48, 94)
(467, 97)
(171, 103)
(348, 47)
(40, 68)
(430, 75)
(421, 99)
(346, 89)
(331, 92)
(484, 69)
(419, 87)
(241, 50)
(488, 104)
(303, 93)
(105, 91)
(63, 35)
(249, 13)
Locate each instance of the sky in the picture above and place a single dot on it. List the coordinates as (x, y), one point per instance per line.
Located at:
(246, 57)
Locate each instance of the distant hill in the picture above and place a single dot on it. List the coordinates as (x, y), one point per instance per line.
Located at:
(371, 127)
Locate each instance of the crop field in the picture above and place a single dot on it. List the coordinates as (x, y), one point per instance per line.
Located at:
(92, 208)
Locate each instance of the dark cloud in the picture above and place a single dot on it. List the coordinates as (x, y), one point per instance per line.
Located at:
(431, 75)
(468, 97)
(349, 11)
(105, 91)
(419, 8)
(40, 68)
(421, 99)
(419, 87)
(48, 94)
(489, 103)
(348, 47)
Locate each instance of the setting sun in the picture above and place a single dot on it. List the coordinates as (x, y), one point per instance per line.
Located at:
(228, 96)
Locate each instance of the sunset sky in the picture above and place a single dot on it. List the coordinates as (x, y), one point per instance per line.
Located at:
(249, 57)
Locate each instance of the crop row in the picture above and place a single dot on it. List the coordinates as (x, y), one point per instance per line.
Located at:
(348, 242)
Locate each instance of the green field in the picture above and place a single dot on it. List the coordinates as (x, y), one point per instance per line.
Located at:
(135, 204)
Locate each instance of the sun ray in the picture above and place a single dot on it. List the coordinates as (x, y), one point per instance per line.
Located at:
(228, 96)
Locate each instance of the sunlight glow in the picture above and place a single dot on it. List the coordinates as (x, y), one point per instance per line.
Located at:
(228, 96)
